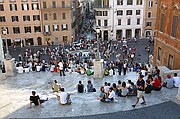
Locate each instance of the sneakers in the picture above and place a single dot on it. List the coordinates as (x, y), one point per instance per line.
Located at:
(133, 106)
(143, 103)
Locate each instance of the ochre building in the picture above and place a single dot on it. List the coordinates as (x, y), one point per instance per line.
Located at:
(167, 40)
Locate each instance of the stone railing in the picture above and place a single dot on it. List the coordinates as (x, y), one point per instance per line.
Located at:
(164, 71)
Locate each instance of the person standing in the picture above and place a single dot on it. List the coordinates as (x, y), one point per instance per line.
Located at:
(61, 68)
(125, 67)
(120, 67)
(140, 86)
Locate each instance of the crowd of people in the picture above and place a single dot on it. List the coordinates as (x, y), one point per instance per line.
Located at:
(147, 82)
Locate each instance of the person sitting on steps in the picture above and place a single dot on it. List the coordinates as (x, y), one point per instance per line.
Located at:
(36, 100)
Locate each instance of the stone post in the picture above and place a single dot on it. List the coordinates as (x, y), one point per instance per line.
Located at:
(98, 69)
(178, 95)
(10, 67)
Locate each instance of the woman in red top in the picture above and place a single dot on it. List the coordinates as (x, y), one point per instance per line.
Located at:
(157, 84)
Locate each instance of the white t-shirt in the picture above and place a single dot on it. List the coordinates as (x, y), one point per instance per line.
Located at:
(110, 72)
(112, 95)
(60, 65)
(106, 88)
(176, 81)
(63, 97)
(143, 72)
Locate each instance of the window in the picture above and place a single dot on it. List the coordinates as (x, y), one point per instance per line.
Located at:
(119, 2)
(27, 29)
(36, 17)
(25, 6)
(119, 12)
(1, 7)
(148, 24)
(129, 12)
(65, 38)
(99, 22)
(149, 14)
(37, 29)
(105, 13)
(13, 7)
(119, 21)
(64, 27)
(63, 15)
(14, 18)
(159, 54)
(150, 3)
(35, 6)
(46, 28)
(63, 4)
(26, 18)
(2, 19)
(138, 12)
(55, 27)
(99, 13)
(44, 5)
(170, 62)
(105, 22)
(106, 3)
(1, 1)
(139, 2)
(54, 16)
(16, 30)
(53, 4)
(129, 2)
(45, 16)
(162, 23)
(128, 21)
(138, 21)
(174, 26)
(12, 0)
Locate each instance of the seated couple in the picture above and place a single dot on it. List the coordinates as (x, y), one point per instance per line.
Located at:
(36, 100)
(107, 97)
(63, 97)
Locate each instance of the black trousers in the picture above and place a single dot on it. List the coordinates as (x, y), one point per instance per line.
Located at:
(62, 73)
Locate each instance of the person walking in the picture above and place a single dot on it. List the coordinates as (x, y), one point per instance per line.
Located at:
(140, 87)
(61, 68)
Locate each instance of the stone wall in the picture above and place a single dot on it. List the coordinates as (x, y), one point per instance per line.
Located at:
(164, 71)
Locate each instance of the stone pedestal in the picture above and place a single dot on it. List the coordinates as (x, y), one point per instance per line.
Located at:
(2, 75)
(98, 69)
(178, 95)
(10, 67)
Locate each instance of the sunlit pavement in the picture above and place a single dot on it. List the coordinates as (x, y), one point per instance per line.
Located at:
(15, 92)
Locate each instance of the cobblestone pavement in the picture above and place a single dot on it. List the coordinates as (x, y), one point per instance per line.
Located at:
(15, 92)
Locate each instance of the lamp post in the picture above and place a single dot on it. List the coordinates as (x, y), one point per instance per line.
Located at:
(7, 55)
(97, 54)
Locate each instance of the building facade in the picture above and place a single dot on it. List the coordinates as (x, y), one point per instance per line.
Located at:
(39, 22)
(167, 40)
(150, 11)
(120, 18)
(22, 20)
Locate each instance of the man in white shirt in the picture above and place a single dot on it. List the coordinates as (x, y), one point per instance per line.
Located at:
(111, 96)
(176, 80)
(63, 97)
(61, 68)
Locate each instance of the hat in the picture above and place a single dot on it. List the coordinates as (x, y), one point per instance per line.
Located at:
(168, 76)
